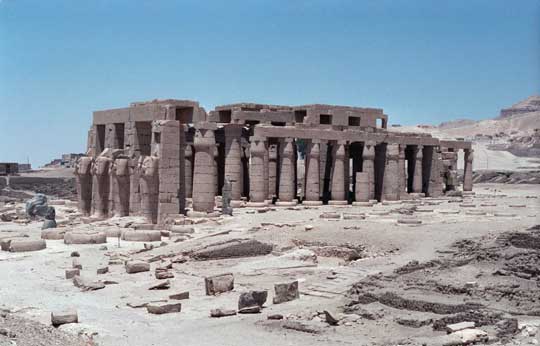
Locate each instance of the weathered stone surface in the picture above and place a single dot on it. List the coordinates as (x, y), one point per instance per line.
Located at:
(102, 270)
(330, 318)
(141, 235)
(450, 328)
(53, 234)
(233, 249)
(64, 317)
(286, 292)
(75, 263)
(180, 296)
(165, 285)
(252, 299)
(93, 237)
(219, 284)
(163, 308)
(24, 245)
(87, 286)
(222, 312)
(71, 273)
(162, 273)
(275, 317)
(133, 267)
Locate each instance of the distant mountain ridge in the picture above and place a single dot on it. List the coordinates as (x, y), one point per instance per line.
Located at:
(530, 105)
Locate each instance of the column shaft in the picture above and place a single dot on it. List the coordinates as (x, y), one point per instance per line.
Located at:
(467, 172)
(204, 174)
(338, 174)
(286, 178)
(417, 177)
(368, 167)
(312, 184)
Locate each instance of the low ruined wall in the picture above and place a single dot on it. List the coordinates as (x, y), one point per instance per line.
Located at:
(59, 187)
(2, 182)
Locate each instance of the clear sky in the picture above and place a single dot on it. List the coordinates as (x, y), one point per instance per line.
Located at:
(422, 61)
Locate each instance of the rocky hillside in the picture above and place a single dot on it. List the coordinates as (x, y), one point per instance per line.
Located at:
(529, 105)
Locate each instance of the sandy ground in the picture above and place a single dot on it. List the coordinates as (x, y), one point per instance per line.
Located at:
(33, 283)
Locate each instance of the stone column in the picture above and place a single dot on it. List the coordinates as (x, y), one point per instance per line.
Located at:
(233, 160)
(391, 178)
(339, 195)
(188, 164)
(216, 169)
(101, 182)
(368, 166)
(417, 177)
(272, 170)
(257, 194)
(435, 187)
(402, 172)
(204, 173)
(135, 195)
(266, 171)
(120, 172)
(83, 173)
(468, 170)
(313, 172)
(287, 189)
(149, 173)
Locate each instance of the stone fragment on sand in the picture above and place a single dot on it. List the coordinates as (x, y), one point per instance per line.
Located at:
(222, 312)
(409, 221)
(87, 286)
(71, 273)
(286, 292)
(250, 310)
(301, 327)
(163, 308)
(233, 249)
(162, 273)
(102, 270)
(330, 318)
(466, 337)
(64, 317)
(251, 299)
(76, 237)
(141, 235)
(25, 245)
(165, 285)
(218, 284)
(180, 296)
(329, 215)
(275, 317)
(75, 254)
(53, 234)
(308, 227)
(450, 328)
(133, 267)
(181, 229)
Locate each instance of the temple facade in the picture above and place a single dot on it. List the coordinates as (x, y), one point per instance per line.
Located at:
(165, 157)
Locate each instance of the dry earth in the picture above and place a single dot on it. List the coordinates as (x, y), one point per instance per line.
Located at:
(471, 259)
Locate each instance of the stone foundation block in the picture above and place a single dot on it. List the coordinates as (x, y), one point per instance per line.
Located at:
(219, 284)
(286, 292)
(146, 236)
(64, 317)
(18, 245)
(85, 238)
(133, 267)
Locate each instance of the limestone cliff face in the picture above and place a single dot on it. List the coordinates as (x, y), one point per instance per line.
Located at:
(529, 105)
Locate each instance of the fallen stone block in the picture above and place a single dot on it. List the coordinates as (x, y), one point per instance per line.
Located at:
(74, 237)
(251, 299)
(346, 253)
(451, 328)
(53, 234)
(250, 310)
(286, 292)
(275, 317)
(64, 317)
(5, 242)
(181, 229)
(71, 273)
(141, 235)
(301, 327)
(103, 270)
(232, 249)
(330, 216)
(163, 274)
(163, 308)
(75, 254)
(351, 216)
(409, 221)
(180, 296)
(219, 284)
(222, 313)
(19, 245)
(165, 285)
(330, 318)
(133, 267)
(87, 286)
(466, 337)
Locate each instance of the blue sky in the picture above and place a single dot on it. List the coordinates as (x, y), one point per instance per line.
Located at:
(422, 61)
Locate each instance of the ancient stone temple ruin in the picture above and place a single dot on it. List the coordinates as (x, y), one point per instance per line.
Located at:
(167, 157)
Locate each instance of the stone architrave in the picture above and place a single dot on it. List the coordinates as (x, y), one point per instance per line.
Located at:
(368, 167)
(120, 173)
(204, 173)
(391, 173)
(256, 170)
(233, 159)
(101, 181)
(339, 173)
(149, 173)
(83, 173)
(417, 177)
(287, 189)
(468, 169)
(312, 185)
